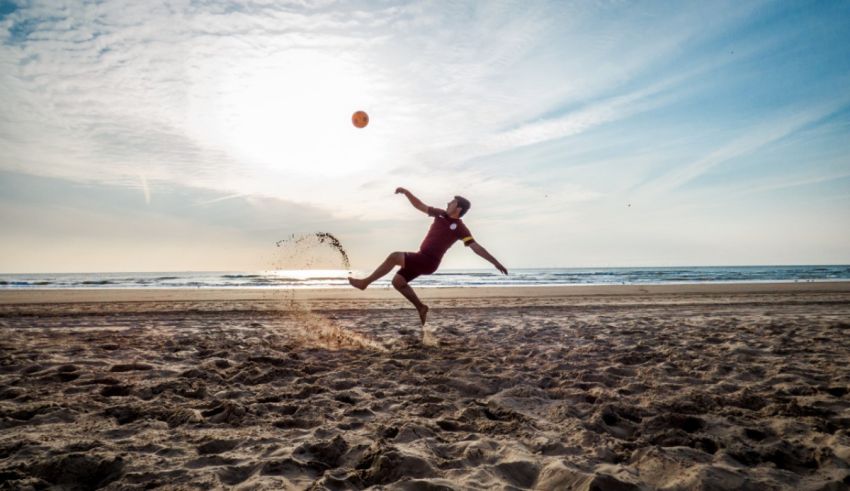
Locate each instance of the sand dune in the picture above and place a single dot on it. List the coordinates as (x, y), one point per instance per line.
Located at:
(730, 389)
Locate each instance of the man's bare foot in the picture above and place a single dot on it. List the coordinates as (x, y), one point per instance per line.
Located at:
(361, 284)
(423, 313)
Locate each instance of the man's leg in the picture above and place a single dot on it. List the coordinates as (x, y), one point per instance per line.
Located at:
(401, 285)
(393, 260)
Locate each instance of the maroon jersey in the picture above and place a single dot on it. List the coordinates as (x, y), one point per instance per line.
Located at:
(443, 233)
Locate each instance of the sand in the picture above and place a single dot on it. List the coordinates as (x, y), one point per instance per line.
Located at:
(620, 388)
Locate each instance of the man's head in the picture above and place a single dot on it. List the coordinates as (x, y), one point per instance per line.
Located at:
(459, 204)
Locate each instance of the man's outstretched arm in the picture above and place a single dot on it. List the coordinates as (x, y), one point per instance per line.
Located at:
(476, 247)
(416, 202)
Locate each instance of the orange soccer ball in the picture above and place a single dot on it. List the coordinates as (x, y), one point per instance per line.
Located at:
(360, 119)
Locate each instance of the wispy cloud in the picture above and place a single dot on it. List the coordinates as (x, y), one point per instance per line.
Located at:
(754, 138)
(219, 199)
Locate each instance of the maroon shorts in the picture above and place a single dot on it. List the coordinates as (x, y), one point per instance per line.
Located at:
(417, 263)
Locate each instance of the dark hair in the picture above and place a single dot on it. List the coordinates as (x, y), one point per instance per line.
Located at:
(463, 203)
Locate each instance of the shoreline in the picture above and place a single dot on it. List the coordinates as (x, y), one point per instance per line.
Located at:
(108, 295)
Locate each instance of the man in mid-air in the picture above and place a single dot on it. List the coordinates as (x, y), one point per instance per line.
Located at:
(445, 230)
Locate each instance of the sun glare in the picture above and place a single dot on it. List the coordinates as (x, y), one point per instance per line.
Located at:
(294, 114)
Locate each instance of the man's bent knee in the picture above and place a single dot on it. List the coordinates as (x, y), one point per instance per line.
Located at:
(399, 282)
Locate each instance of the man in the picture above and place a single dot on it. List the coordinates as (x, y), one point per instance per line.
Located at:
(445, 230)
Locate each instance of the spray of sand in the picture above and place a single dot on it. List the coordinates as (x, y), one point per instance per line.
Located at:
(312, 329)
(306, 249)
(316, 331)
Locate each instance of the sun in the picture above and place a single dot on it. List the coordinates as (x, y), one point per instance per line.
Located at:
(293, 113)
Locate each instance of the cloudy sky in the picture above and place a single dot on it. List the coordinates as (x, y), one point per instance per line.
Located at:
(190, 135)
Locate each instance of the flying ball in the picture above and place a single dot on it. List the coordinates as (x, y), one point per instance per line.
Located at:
(360, 119)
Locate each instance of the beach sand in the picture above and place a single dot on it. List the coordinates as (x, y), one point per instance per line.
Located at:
(604, 388)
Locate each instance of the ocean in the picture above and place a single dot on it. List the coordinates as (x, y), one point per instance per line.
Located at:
(443, 278)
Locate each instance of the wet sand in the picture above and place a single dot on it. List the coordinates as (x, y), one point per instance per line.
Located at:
(674, 387)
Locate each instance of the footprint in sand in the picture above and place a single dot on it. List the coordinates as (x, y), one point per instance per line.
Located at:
(116, 390)
(128, 367)
(217, 446)
(79, 470)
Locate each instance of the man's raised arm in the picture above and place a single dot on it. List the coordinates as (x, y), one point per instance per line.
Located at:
(416, 202)
(478, 249)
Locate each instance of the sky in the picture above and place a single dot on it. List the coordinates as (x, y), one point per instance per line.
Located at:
(192, 135)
